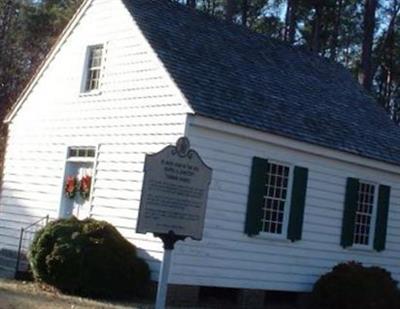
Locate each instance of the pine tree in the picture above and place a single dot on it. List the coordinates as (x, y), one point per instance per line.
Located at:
(366, 70)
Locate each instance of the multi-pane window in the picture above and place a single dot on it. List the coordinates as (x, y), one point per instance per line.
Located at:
(81, 152)
(276, 189)
(364, 213)
(95, 54)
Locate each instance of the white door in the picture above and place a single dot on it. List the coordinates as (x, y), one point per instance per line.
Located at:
(77, 205)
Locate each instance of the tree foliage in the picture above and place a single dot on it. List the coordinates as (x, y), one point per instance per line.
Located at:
(28, 28)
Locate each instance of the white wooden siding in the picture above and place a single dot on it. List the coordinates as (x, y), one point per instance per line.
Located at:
(228, 257)
(138, 110)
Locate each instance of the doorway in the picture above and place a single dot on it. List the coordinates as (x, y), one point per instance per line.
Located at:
(78, 179)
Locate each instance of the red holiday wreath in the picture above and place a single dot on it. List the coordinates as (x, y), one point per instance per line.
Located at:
(84, 186)
(71, 186)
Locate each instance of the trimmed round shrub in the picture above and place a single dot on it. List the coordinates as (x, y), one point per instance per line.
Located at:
(88, 258)
(352, 286)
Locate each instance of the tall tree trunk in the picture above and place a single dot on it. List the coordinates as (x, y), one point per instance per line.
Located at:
(6, 20)
(287, 17)
(366, 75)
(336, 29)
(317, 23)
(245, 11)
(386, 53)
(390, 33)
(291, 21)
(230, 7)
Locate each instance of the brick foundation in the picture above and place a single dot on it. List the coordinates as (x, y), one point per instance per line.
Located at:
(252, 299)
(182, 294)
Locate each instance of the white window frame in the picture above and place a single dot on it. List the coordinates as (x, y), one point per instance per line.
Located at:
(287, 205)
(86, 70)
(82, 159)
(371, 235)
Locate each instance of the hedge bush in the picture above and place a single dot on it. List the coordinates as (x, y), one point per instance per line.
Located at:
(352, 286)
(88, 258)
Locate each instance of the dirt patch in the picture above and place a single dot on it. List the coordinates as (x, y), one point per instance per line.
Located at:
(16, 295)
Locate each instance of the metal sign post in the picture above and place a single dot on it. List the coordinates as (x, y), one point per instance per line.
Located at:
(169, 241)
(173, 201)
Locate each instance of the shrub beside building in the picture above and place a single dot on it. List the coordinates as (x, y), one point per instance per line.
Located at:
(88, 258)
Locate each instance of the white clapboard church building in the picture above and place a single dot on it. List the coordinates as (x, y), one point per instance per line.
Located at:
(306, 166)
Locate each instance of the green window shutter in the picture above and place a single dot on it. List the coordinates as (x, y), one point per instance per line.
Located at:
(298, 200)
(256, 196)
(381, 218)
(349, 212)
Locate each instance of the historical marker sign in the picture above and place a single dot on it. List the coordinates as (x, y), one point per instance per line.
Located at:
(174, 194)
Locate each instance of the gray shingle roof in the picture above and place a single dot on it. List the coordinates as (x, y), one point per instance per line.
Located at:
(228, 73)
